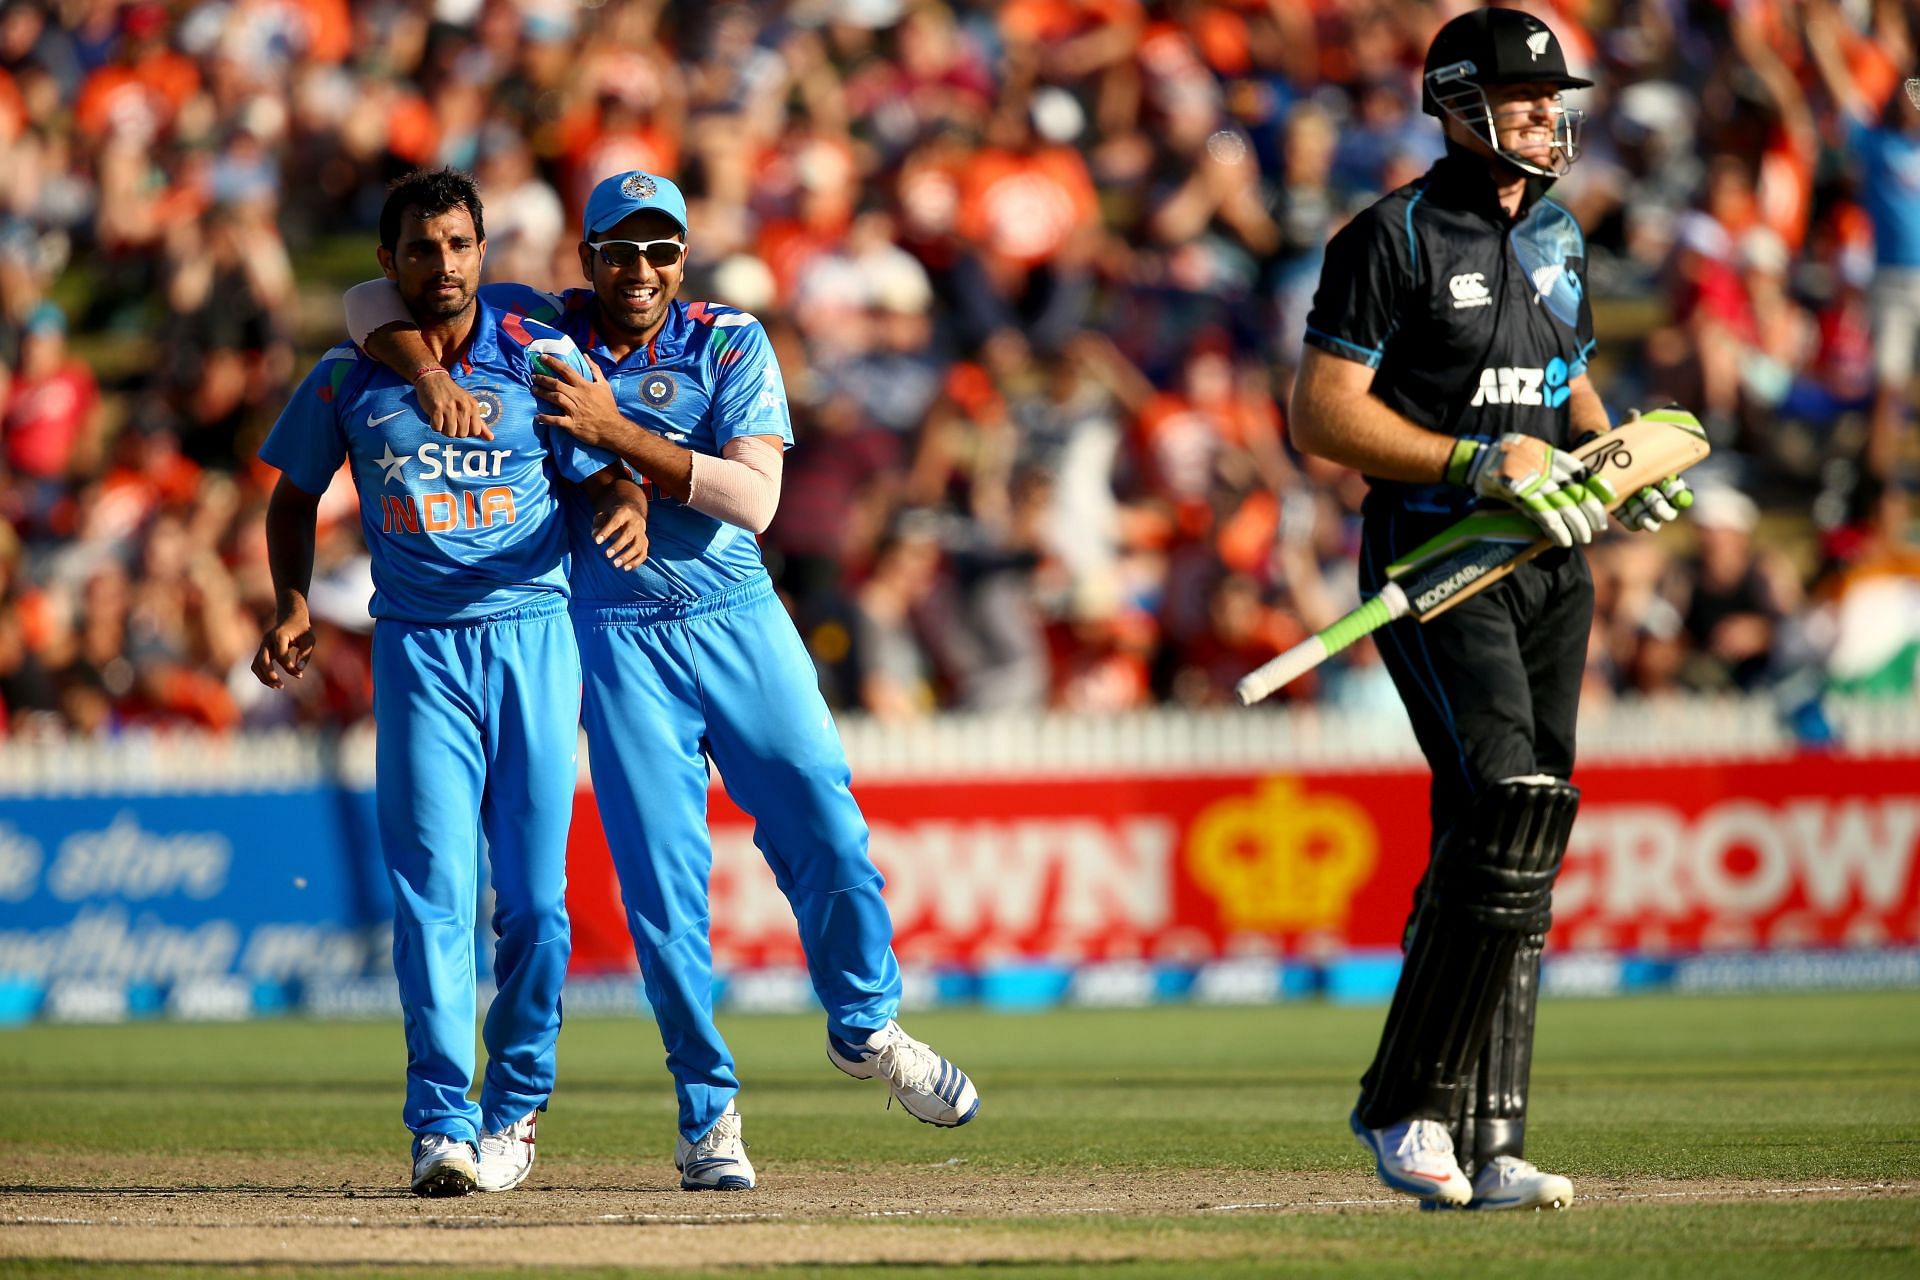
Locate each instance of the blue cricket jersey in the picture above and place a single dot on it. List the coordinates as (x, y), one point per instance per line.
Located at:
(458, 529)
(709, 376)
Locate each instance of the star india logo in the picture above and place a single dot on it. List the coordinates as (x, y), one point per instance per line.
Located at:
(638, 186)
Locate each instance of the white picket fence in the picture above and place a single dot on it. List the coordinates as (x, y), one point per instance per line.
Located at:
(974, 746)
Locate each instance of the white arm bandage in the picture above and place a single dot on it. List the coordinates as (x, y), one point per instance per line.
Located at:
(372, 305)
(741, 487)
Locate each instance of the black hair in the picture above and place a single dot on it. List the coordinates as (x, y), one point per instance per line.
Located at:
(430, 193)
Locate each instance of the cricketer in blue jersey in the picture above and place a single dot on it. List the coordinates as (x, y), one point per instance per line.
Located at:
(476, 671)
(691, 657)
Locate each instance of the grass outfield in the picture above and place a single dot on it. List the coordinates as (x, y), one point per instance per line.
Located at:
(1750, 1136)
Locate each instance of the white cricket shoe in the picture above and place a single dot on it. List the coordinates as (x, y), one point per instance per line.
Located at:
(718, 1162)
(506, 1157)
(443, 1166)
(926, 1084)
(1508, 1182)
(1416, 1157)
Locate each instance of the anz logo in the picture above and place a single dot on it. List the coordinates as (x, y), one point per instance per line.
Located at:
(1510, 385)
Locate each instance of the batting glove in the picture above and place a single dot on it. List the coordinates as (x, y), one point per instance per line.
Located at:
(1656, 505)
(1548, 485)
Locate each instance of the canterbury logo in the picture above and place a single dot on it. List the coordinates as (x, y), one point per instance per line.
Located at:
(1470, 290)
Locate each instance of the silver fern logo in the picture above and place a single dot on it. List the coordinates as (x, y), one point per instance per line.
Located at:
(1913, 91)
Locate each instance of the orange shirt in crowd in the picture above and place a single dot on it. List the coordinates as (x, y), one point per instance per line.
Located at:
(1049, 21)
(1182, 438)
(147, 94)
(1023, 207)
(329, 26)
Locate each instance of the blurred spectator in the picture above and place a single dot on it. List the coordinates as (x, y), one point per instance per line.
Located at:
(1029, 213)
(1037, 273)
(1732, 605)
(51, 421)
(896, 676)
(1882, 132)
(1868, 618)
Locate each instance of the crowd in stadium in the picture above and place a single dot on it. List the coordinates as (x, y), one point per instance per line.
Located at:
(1037, 272)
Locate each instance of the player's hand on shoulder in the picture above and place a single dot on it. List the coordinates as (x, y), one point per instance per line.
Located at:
(449, 410)
(620, 524)
(1546, 484)
(286, 647)
(580, 403)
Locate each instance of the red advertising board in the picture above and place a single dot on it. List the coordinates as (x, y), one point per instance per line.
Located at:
(1679, 856)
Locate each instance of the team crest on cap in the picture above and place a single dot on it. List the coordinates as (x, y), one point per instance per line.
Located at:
(491, 406)
(1538, 42)
(659, 389)
(639, 186)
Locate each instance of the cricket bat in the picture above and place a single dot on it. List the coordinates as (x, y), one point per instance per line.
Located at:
(1479, 550)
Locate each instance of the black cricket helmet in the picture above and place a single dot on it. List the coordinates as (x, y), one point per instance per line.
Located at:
(1493, 47)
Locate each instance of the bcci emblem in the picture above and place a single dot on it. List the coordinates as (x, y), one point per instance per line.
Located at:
(638, 186)
(659, 389)
(490, 404)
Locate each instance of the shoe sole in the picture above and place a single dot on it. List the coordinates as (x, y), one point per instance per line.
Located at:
(443, 1182)
(1428, 1193)
(848, 1070)
(1556, 1203)
(731, 1182)
(1494, 1206)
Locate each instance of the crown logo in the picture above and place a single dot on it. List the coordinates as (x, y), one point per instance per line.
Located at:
(1281, 859)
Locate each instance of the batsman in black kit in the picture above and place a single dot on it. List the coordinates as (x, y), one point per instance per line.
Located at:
(1447, 361)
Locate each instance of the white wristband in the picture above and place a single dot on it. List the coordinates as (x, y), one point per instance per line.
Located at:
(741, 487)
(372, 305)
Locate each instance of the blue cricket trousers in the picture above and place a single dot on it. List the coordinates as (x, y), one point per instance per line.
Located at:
(668, 685)
(478, 730)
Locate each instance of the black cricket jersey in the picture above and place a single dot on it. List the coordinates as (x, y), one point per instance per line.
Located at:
(1473, 324)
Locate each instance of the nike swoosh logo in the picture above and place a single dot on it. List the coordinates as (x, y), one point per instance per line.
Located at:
(374, 422)
(1430, 1177)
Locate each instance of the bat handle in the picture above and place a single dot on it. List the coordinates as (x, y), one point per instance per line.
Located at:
(1390, 604)
(1275, 672)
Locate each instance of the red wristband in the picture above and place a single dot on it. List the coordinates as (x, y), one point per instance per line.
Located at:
(426, 369)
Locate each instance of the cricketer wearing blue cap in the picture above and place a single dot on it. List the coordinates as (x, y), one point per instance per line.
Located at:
(691, 658)
(476, 671)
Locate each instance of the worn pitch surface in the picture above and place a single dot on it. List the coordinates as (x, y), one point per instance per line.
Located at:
(1762, 1133)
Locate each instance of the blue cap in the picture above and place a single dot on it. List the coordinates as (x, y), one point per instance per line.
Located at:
(630, 192)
